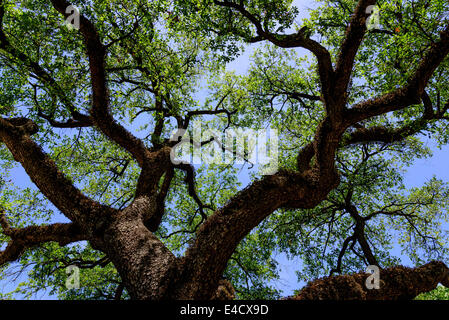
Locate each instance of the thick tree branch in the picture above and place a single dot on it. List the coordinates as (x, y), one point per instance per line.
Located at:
(348, 50)
(119, 291)
(28, 237)
(153, 164)
(44, 76)
(396, 283)
(15, 133)
(387, 135)
(220, 234)
(409, 94)
(100, 112)
(342, 252)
